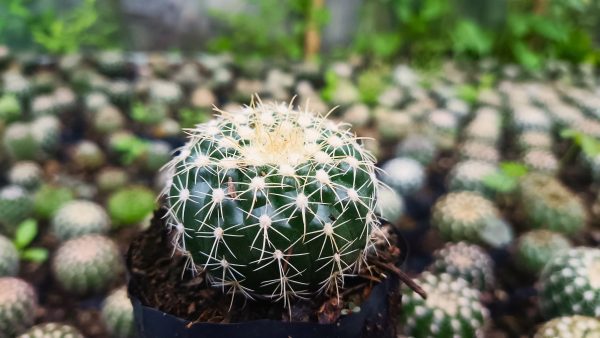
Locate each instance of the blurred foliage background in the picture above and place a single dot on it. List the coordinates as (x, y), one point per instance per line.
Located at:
(424, 32)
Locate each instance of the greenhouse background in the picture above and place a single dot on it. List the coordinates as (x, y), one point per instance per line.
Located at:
(301, 168)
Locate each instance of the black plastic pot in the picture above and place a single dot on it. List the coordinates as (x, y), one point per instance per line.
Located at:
(375, 319)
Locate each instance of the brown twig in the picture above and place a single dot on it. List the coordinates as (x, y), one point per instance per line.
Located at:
(403, 277)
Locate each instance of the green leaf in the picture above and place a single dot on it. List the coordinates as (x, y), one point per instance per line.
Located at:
(469, 37)
(37, 255)
(526, 56)
(513, 169)
(26, 232)
(500, 182)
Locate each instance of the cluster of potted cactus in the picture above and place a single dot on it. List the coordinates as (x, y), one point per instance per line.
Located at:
(280, 216)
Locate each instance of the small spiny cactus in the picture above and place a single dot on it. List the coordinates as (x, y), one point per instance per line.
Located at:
(87, 264)
(273, 201)
(87, 155)
(130, 205)
(46, 132)
(467, 261)
(15, 206)
(10, 109)
(111, 179)
(26, 174)
(78, 218)
(452, 309)
(117, 314)
(52, 330)
(570, 327)
(18, 302)
(541, 160)
(390, 205)
(418, 147)
(9, 258)
(404, 174)
(19, 142)
(44, 105)
(165, 92)
(570, 283)
(470, 175)
(535, 248)
(48, 199)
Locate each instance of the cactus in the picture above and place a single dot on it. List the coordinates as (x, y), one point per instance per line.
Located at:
(390, 205)
(18, 302)
(392, 124)
(467, 261)
(15, 206)
(371, 83)
(275, 190)
(535, 248)
(452, 309)
(17, 85)
(94, 101)
(10, 109)
(44, 105)
(9, 258)
(479, 151)
(418, 147)
(117, 314)
(404, 174)
(464, 216)
(470, 175)
(20, 143)
(87, 155)
(570, 283)
(26, 174)
(358, 115)
(130, 205)
(120, 92)
(156, 154)
(442, 125)
(531, 118)
(64, 99)
(541, 160)
(534, 140)
(112, 63)
(111, 179)
(52, 330)
(108, 119)
(165, 92)
(48, 199)
(43, 81)
(570, 327)
(547, 204)
(46, 133)
(458, 107)
(87, 264)
(78, 218)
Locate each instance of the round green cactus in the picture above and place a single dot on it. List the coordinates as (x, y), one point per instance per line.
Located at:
(452, 309)
(570, 327)
(535, 248)
(548, 204)
(117, 314)
(9, 258)
(52, 330)
(15, 206)
(46, 132)
(112, 63)
(534, 140)
(465, 216)
(10, 109)
(48, 199)
(78, 218)
(443, 125)
(94, 101)
(108, 119)
(87, 264)
(19, 142)
(479, 151)
(390, 205)
(418, 147)
(165, 92)
(87, 155)
(26, 174)
(120, 92)
(44, 105)
(18, 302)
(111, 179)
(273, 201)
(131, 205)
(528, 117)
(17, 85)
(156, 154)
(541, 160)
(467, 261)
(65, 99)
(570, 283)
(404, 174)
(470, 175)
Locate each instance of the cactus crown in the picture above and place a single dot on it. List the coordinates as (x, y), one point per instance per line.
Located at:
(273, 201)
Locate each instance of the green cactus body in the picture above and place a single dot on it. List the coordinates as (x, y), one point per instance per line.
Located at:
(541, 160)
(10, 109)
(273, 201)
(536, 247)
(110, 179)
(87, 155)
(26, 174)
(390, 205)
(17, 85)
(20, 143)
(108, 119)
(418, 147)
(534, 140)
(9, 258)
(117, 314)
(48, 199)
(570, 283)
(112, 63)
(404, 174)
(44, 105)
(15, 206)
(52, 330)
(130, 205)
(570, 327)
(452, 309)
(479, 151)
(165, 92)
(18, 302)
(463, 216)
(120, 92)
(46, 132)
(548, 204)
(87, 264)
(470, 175)
(156, 155)
(467, 261)
(78, 218)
